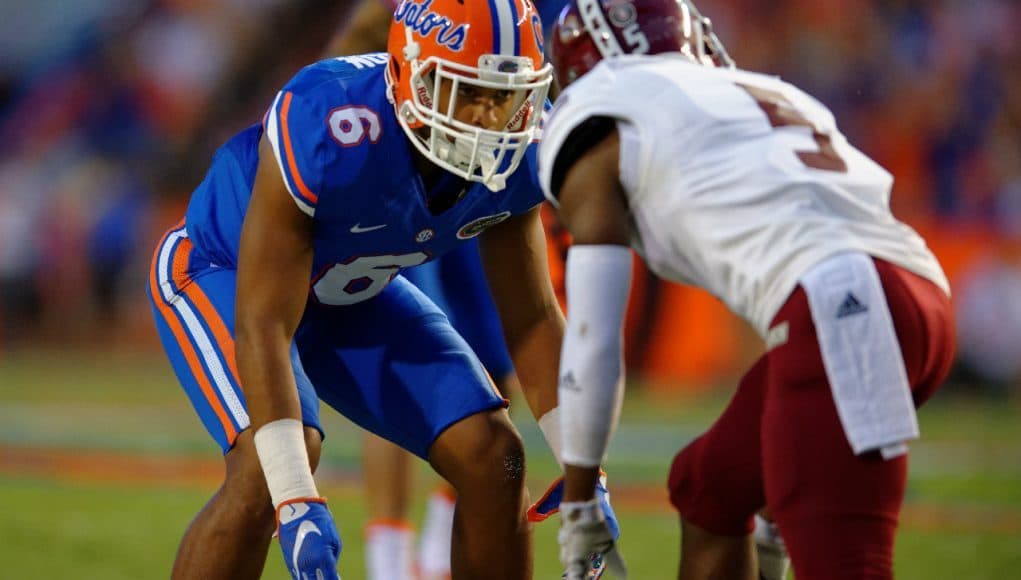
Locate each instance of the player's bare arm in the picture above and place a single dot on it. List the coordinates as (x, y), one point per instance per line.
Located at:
(592, 204)
(274, 266)
(514, 257)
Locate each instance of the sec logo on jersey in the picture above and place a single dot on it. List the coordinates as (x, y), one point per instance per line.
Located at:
(477, 226)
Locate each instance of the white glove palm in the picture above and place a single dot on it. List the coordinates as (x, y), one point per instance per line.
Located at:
(584, 535)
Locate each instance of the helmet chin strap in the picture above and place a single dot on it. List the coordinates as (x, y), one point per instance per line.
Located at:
(461, 153)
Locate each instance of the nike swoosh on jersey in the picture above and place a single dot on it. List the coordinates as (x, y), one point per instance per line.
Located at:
(358, 229)
(304, 529)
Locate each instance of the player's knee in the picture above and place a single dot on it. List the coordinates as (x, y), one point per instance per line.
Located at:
(679, 481)
(314, 444)
(510, 456)
(247, 486)
(484, 449)
(706, 501)
(682, 484)
(502, 458)
(244, 483)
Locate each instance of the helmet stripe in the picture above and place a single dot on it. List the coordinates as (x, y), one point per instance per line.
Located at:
(514, 25)
(505, 31)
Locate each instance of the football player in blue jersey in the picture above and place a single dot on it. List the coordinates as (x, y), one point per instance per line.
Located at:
(284, 277)
(455, 282)
(387, 470)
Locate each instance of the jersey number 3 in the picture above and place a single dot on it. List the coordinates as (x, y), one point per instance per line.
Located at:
(782, 113)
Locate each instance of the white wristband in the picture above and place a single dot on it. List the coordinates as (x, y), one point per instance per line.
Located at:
(284, 458)
(549, 424)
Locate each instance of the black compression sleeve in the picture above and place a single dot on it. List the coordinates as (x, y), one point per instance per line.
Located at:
(585, 136)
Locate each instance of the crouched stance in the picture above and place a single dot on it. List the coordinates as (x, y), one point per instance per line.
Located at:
(741, 184)
(282, 287)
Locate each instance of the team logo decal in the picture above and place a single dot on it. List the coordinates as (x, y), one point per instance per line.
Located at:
(622, 14)
(418, 17)
(508, 66)
(476, 227)
(537, 30)
(424, 235)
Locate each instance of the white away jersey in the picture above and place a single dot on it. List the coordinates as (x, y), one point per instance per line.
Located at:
(738, 182)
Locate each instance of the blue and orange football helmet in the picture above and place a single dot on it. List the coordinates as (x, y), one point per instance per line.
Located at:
(494, 44)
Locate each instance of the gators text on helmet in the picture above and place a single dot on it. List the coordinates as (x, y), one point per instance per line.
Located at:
(495, 44)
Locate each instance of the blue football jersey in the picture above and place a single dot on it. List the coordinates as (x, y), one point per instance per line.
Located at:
(348, 164)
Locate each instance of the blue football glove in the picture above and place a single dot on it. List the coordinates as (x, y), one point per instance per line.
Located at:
(549, 504)
(309, 539)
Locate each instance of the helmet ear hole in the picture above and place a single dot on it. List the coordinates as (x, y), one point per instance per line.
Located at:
(395, 67)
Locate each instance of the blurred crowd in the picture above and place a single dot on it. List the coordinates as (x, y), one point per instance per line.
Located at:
(109, 113)
(111, 109)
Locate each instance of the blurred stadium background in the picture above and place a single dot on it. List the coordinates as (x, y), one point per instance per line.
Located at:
(111, 109)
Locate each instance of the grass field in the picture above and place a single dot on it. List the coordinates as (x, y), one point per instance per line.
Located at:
(102, 465)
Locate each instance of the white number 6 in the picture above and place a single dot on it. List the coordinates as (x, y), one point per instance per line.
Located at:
(361, 279)
(351, 124)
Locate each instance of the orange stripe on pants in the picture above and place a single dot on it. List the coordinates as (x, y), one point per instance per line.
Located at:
(222, 337)
(197, 370)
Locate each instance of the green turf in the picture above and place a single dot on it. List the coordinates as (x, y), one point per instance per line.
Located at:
(56, 530)
(962, 519)
(116, 532)
(924, 555)
(59, 530)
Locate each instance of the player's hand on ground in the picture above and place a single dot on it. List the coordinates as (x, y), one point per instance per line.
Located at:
(309, 539)
(550, 504)
(587, 543)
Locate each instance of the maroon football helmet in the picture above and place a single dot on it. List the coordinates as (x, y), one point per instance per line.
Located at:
(588, 31)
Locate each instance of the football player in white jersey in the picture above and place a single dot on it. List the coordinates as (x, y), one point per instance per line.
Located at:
(741, 184)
